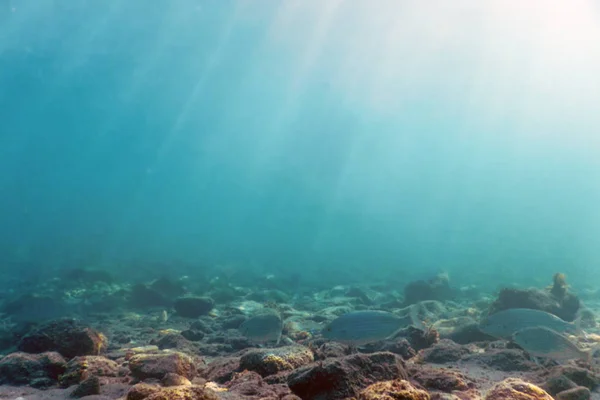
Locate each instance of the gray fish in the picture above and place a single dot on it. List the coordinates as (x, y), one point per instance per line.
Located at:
(543, 342)
(504, 324)
(362, 327)
(263, 328)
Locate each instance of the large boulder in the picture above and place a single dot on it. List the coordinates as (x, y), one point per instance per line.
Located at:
(66, 336)
(31, 369)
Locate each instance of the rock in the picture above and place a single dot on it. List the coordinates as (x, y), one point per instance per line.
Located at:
(359, 294)
(565, 308)
(167, 288)
(221, 370)
(576, 393)
(271, 361)
(330, 350)
(437, 288)
(503, 360)
(442, 379)
(176, 341)
(250, 385)
(420, 339)
(81, 368)
(444, 351)
(345, 376)
(516, 389)
(233, 322)
(462, 330)
(144, 297)
(400, 347)
(88, 387)
(142, 391)
(393, 390)
(149, 392)
(144, 366)
(565, 377)
(23, 368)
(193, 307)
(66, 336)
(172, 379)
(192, 335)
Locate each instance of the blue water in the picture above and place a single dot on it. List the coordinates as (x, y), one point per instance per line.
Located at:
(328, 141)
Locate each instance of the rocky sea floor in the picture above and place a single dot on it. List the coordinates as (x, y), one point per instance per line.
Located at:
(166, 339)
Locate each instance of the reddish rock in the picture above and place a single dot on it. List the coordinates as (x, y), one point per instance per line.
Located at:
(221, 370)
(444, 351)
(250, 385)
(23, 368)
(516, 389)
(80, 368)
(144, 366)
(345, 376)
(393, 390)
(67, 337)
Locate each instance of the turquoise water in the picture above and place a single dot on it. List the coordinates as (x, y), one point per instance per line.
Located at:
(326, 141)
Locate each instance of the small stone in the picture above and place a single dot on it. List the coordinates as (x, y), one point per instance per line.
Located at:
(577, 393)
(445, 351)
(193, 307)
(88, 387)
(141, 391)
(172, 379)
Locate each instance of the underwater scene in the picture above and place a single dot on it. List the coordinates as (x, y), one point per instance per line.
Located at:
(299, 199)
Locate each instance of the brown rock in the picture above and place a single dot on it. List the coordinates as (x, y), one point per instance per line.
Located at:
(393, 390)
(172, 379)
(80, 368)
(442, 379)
(444, 351)
(271, 361)
(144, 366)
(516, 389)
(142, 391)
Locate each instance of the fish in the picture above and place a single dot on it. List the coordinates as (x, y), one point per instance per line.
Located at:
(543, 342)
(504, 324)
(362, 327)
(263, 328)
